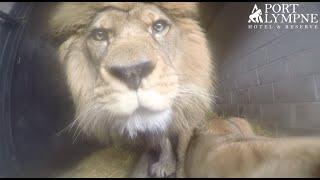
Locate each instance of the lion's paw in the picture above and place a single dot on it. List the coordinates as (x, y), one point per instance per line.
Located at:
(163, 169)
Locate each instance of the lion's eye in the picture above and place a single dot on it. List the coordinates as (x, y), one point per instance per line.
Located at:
(99, 35)
(159, 26)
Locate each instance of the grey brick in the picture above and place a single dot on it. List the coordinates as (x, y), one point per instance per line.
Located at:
(261, 94)
(258, 40)
(277, 114)
(257, 58)
(305, 63)
(229, 67)
(250, 111)
(219, 99)
(219, 87)
(224, 98)
(296, 90)
(229, 84)
(281, 32)
(238, 65)
(234, 110)
(273, 72)
(219, 84)
(285, 45)
(221, 68)
(218, 108)
(309, 38)
(230, 70)
(264, 37)
(307, 116)
(247, 80)
(240, 97)
(228, 110)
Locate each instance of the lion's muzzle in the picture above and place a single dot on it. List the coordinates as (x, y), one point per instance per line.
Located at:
(132, 74)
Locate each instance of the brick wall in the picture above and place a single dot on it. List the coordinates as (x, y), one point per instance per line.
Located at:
(269, 76)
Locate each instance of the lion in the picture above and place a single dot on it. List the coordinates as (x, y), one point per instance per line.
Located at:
(230, 148)
(229, 126)
(140, 75)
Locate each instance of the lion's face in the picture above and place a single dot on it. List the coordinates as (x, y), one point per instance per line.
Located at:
(133, 52)
(132, 65)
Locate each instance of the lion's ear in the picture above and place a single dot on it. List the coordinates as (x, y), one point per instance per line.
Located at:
(68, 18)
(180, 9)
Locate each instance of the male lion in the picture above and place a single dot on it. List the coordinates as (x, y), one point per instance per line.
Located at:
(231, 149)
(140, 74)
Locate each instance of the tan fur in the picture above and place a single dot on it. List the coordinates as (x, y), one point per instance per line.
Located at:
(224, 152)
(185, 85)
(230, 126)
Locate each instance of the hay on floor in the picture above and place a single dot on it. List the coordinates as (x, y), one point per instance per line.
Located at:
(105, 163)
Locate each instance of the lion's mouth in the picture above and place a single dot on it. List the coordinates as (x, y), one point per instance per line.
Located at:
(144, 102)
(145, 110)
(139, 113)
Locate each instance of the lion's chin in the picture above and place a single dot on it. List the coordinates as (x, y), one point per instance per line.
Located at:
(143, 121)
(142, 111)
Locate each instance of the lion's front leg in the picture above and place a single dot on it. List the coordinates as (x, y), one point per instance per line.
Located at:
(141, 168)
(158, 161)
(166, 165)
(184, 140)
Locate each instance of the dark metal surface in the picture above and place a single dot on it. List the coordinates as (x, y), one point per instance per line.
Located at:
(9, 19)
(35, 104)
(11, 37)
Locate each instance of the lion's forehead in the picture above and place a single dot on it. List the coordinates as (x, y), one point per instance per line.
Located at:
(125, 6)
(128, 6)
(145, 13)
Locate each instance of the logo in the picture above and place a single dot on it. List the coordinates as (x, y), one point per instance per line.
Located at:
(282, 16)
(256, 15)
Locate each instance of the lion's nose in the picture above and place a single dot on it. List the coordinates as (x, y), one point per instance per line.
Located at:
(132, 74)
